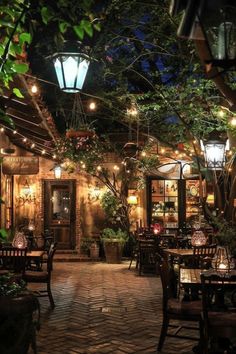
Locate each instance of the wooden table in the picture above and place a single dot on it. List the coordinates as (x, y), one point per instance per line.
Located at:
(179, 252)
(34, 254)
(189, 277)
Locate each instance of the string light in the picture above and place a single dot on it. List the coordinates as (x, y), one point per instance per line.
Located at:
(116, 168)
(143, 153)
(54, 156)
(34, 89)
(99, 168)
(2, 129)
(233, 121)
(24, 140)
(221, 113)
(32, 145)
(163, 150)
(92, 106)
(14, 132)
(43, 152)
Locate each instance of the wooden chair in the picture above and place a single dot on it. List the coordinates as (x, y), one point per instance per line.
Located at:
(146, 255)
(13, 260)
(219, 311)
(202, 255)
(43, 276)
(175, 309)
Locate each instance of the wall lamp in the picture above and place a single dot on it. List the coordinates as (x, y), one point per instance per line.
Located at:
(94, 193)
(26, 195)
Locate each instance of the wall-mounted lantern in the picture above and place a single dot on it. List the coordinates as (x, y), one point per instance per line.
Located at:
(132, 199)
(214, 153)
(57, 171)
(26, 195)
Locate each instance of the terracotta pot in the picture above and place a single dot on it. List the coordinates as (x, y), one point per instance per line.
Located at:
(113, 251)
(79, 133)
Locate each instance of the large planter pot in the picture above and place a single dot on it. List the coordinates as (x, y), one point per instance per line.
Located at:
(113, 251)
(17, 329)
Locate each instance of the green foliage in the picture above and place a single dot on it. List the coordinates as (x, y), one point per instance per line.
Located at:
(109, 235)
(111, 206)
(11, 285)
(3, 234)
(85, 155)
(225, 234)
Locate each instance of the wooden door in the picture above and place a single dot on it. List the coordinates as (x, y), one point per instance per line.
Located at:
(59, 211)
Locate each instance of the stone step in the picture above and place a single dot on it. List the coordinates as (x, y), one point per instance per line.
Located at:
(72, 257)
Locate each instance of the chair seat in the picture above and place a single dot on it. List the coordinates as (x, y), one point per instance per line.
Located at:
(34, 276)
(222, 319)
(185, 308)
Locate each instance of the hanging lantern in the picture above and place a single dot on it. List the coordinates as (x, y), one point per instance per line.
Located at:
(214, 153)
(71, 67)
(213, 21)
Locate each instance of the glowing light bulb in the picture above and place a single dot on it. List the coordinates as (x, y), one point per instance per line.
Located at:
(233, 121)
(14, 132)
(92, 106)
(34, 89)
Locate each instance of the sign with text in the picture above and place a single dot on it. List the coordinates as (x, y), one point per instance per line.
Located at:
(20, 165)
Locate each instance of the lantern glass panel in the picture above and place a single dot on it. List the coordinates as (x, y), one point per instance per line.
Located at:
(220, 29)
(71, 70)
(215, 155)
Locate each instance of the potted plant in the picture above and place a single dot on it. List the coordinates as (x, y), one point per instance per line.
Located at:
(113, 242)
(18, 325)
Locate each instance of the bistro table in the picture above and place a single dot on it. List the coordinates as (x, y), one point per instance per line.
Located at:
(179, 253)
(190, 277)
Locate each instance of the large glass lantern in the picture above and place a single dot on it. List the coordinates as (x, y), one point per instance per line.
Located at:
(218, 22)
(213, 21)
(214, 153)
(71, 68)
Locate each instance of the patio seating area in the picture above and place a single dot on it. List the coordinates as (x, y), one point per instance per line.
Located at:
(103, 308)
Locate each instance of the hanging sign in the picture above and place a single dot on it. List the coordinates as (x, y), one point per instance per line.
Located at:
(20, 165)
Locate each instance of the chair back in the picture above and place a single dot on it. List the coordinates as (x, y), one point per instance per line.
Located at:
(14, 259)
(203, 255)
(51, 253)
(218, 294)
(168, 281)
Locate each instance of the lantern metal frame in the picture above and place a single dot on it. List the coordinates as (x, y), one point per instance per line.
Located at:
(213, 21)
(215, 153)
(71, 66)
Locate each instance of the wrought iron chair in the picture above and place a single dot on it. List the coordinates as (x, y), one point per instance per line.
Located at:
(175, 309)
(219, 311)
(43, 276)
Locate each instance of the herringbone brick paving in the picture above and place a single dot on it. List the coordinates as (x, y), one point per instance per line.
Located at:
(103, 309)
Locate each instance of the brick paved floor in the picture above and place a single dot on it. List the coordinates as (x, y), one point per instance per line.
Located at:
(103, 308)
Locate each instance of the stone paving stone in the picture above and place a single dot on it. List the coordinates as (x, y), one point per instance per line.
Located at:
(77, 325)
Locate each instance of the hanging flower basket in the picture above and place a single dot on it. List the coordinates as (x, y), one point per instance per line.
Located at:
(79, 133)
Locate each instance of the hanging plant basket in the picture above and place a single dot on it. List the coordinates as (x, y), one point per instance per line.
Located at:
(72, 133)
